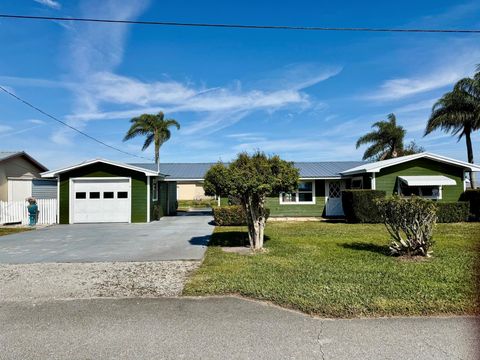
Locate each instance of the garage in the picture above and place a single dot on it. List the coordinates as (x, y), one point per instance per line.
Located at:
(101, 200)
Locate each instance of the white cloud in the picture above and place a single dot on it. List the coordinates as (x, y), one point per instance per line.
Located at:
(5, 128)
(36, 121)
(50, 3)
(456, 61)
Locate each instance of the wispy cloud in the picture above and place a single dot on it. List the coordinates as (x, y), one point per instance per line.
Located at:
(50, 3)
(456, 61)
(217, 107)
(5, 128)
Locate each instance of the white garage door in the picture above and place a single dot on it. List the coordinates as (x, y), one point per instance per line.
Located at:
(101, 200)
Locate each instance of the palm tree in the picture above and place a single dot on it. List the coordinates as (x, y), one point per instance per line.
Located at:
(458, 112)
(154, 127)
(386, 140)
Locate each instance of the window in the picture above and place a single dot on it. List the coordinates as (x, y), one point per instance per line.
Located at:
(429, 192)
(155, 190)
(357, 183)
(94, 195)
(304, 194)
(108, 195)
(80, 195)
(122, 195)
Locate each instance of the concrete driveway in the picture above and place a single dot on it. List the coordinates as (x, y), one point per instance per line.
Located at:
(172, 238)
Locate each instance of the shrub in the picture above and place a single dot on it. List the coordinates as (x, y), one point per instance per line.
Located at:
(449, 212)
(359, 205)
(473, 197)
(410, 223)
(233, 215)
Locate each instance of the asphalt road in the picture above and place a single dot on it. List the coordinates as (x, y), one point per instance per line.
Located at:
(171, 238)
(218, 328)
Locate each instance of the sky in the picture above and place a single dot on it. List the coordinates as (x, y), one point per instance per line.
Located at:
(306, 96)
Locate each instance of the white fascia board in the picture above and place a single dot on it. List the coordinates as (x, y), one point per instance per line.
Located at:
(378, 165)
(54, 173)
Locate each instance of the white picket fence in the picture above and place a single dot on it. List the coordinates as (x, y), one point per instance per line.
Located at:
(16, 212)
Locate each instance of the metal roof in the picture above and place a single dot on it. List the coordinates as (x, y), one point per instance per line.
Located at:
(378, 165)
(5, 155)
(197, 171)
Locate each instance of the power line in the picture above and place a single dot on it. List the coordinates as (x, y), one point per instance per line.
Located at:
(70, 126)
(239, 26)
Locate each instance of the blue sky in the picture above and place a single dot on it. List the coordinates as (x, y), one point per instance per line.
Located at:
(303, 95)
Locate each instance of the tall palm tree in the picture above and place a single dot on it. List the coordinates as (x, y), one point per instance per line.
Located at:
(386, 140)
(458, 112)
(154, 127)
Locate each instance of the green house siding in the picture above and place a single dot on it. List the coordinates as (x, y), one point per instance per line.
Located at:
(387, 178)
(138, 190)
(317, 209)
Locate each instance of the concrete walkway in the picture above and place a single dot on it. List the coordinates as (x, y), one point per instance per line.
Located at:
(171, 238)
(219, 328)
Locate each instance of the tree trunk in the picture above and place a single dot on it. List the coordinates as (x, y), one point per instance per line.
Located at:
(254, 212)
(468, 140)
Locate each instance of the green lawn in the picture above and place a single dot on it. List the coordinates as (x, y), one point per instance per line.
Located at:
(6, 231)
(342, 270)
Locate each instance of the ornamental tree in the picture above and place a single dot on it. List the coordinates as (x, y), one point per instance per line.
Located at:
(251, 179)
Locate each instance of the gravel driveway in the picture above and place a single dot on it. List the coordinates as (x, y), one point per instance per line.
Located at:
(37, 282)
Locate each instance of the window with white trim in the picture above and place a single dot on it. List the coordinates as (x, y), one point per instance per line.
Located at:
(304, 195)
(155, 190)
(428, 192)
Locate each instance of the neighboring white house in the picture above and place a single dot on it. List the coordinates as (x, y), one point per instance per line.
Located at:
(20, 178)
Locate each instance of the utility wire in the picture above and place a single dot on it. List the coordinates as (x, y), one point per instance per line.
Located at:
(239, 26)
(70, 126)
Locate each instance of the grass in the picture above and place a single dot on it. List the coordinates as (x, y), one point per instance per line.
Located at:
(343, 270)
(7, 231)
(196, 204)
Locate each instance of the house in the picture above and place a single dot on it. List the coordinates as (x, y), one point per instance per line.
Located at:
(107, 191)
(321, 183)
(20, 178)
(188, 177)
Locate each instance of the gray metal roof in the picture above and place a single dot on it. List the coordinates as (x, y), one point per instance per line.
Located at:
(195, 171)
(7, 154)
(10, 154)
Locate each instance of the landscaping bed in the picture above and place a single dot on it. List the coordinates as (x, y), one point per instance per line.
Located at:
(343, 270)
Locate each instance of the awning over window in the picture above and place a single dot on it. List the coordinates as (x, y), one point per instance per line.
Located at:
(432, 180)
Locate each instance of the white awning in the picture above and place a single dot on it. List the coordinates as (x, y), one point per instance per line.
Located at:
(433, 180)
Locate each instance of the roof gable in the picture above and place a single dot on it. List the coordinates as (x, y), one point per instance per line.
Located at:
(8, 155)
(56, 172)
(378, 165)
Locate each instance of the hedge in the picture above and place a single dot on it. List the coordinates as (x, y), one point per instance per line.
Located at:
(359, 205)
(231, 215)
(473, 197)
(449, 212)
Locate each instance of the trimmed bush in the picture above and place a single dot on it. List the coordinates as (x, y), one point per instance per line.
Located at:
(450, 212)
(359, 206)
(231, 215)
(473, 197)
(410, 223)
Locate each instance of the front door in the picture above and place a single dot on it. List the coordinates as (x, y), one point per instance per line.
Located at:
(333, 194)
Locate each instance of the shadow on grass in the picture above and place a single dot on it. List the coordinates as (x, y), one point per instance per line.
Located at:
(231, 238)
(379, 249)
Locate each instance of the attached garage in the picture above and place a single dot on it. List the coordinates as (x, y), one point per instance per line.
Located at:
(104, 191)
